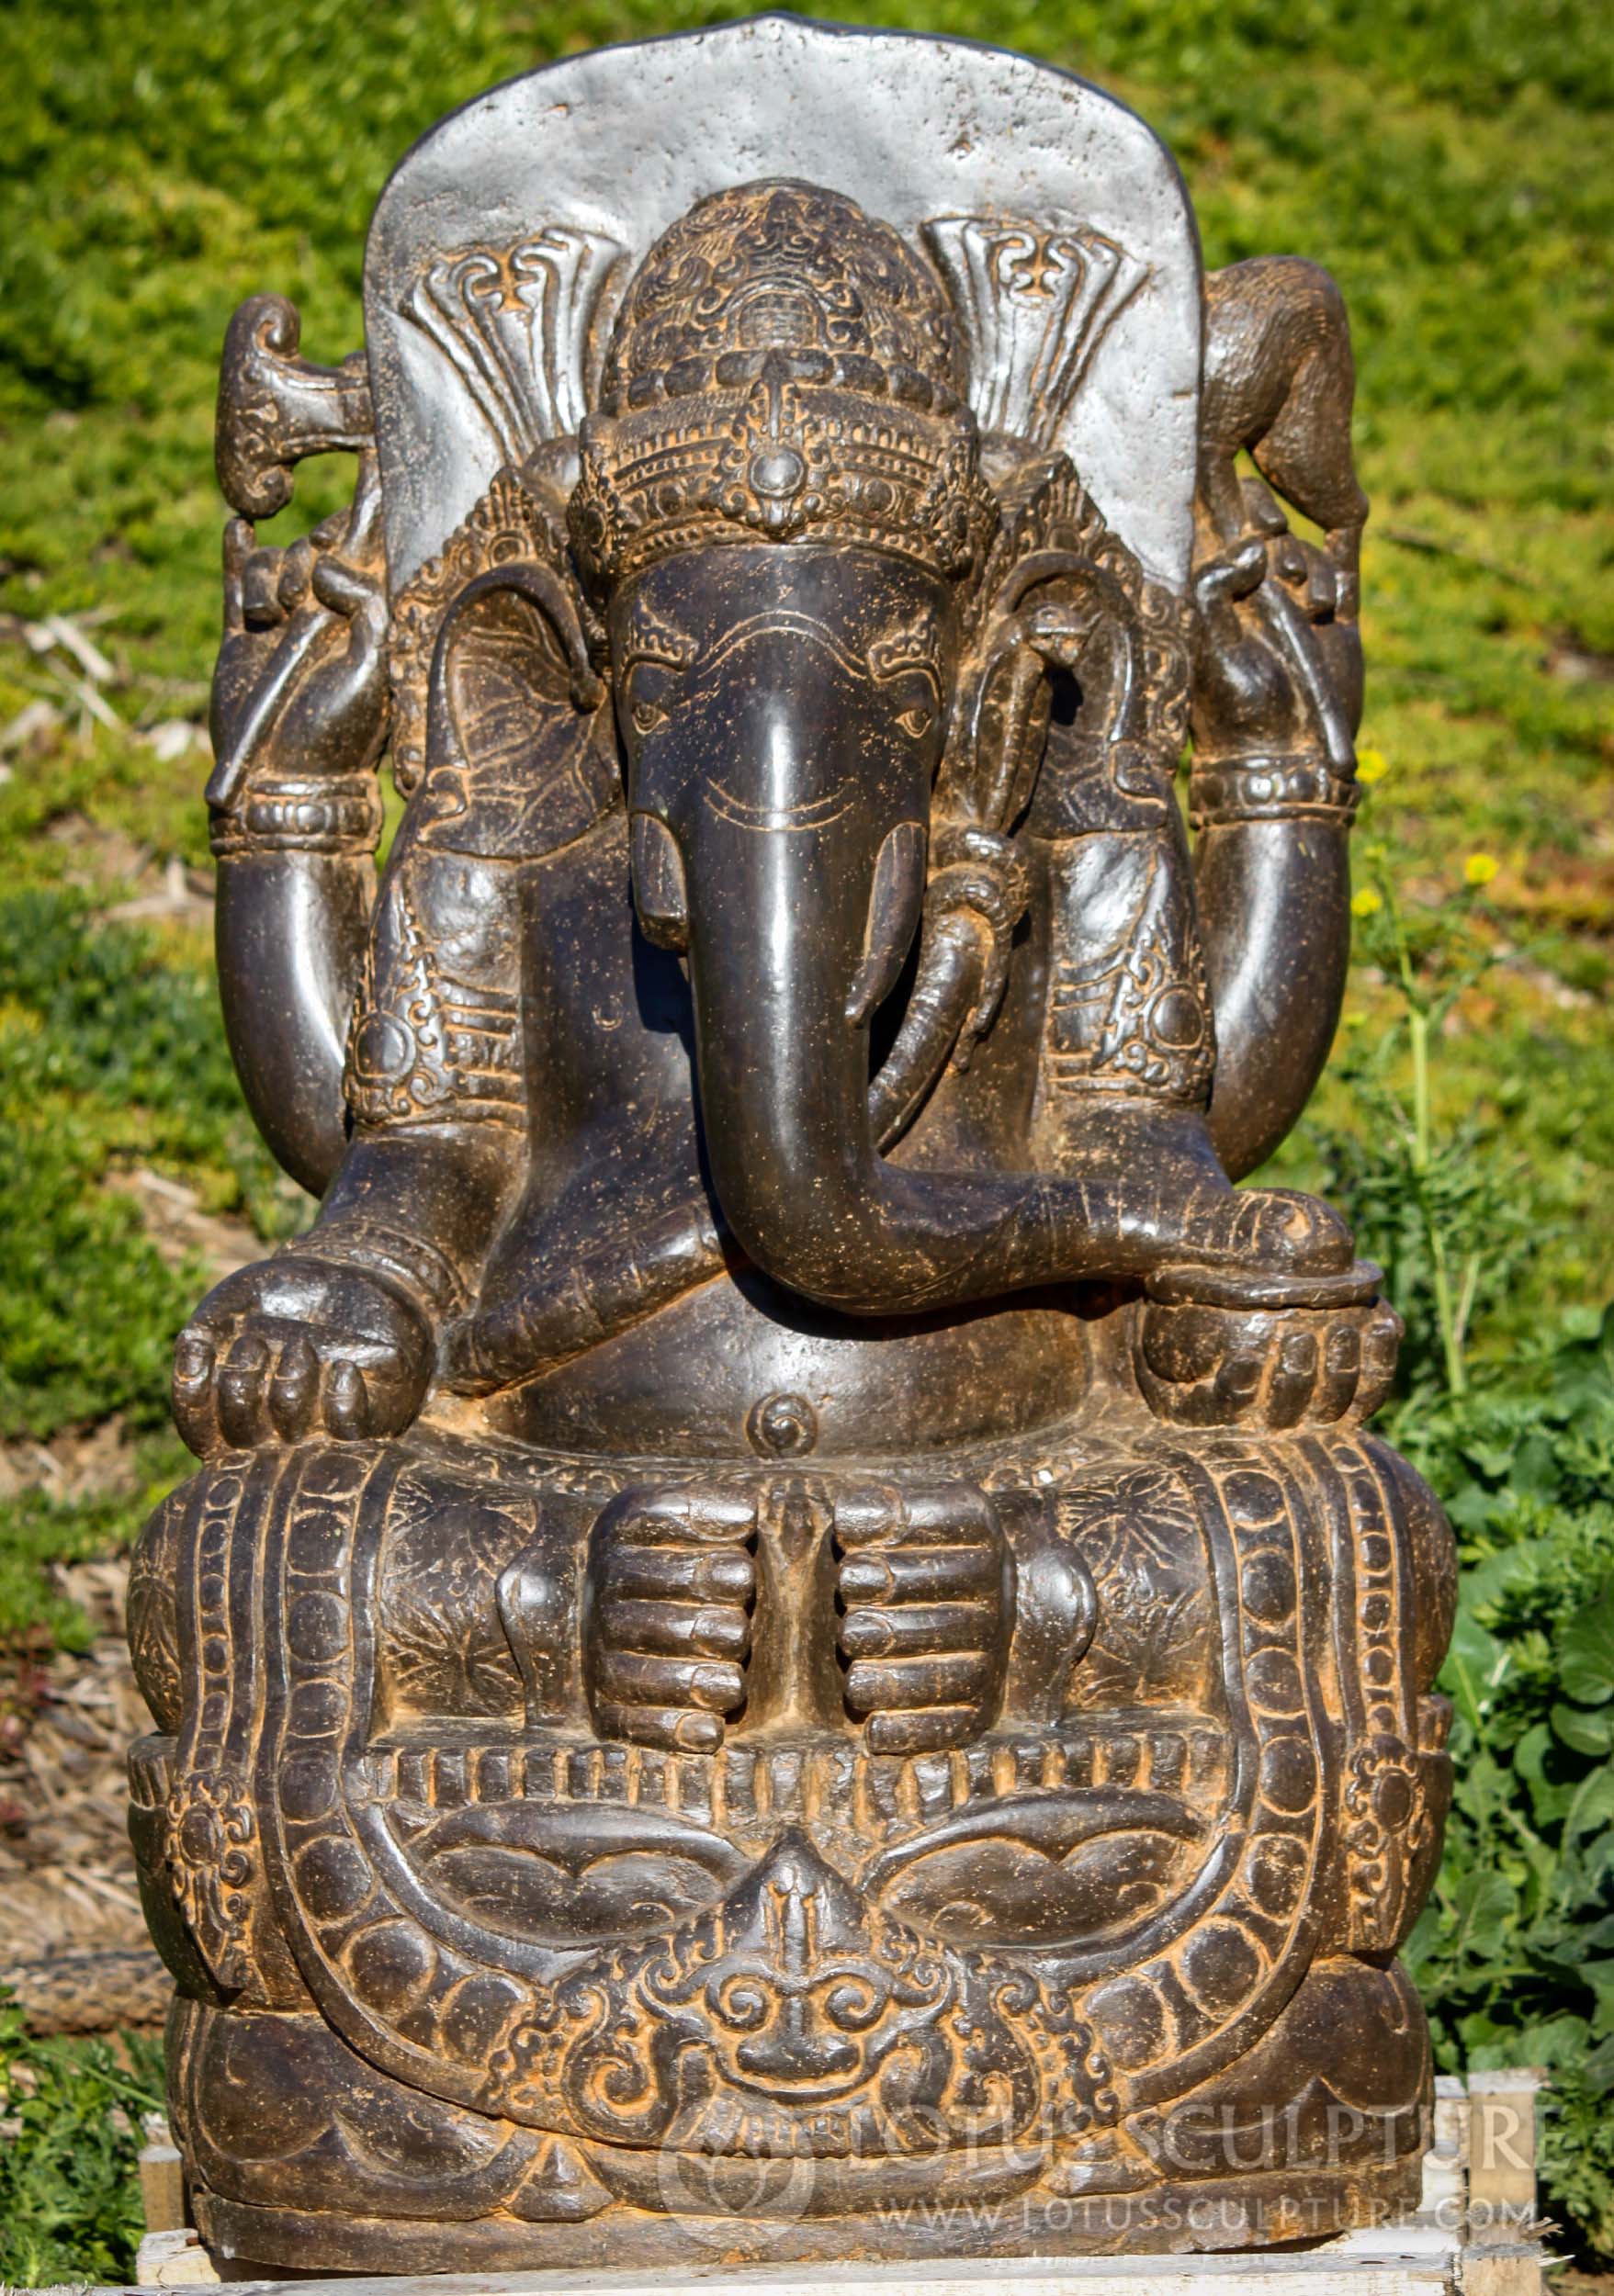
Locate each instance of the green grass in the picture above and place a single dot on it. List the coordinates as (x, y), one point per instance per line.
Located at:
(1452, 165)
(70, 2205)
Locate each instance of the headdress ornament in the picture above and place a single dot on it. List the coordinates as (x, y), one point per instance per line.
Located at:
(781, 364)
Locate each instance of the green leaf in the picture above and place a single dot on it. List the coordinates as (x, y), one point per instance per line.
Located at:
(1535, 1469)
(1585, 1651)
(1586, 1733)
(1593, 1805)
(1476, 1664)
(1423, 1946)
(1549, 1800)
(1486, 1903)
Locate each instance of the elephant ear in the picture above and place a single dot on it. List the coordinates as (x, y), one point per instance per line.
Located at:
(1059, 590)
(501, 743)
(1074, 666)
(549, 642)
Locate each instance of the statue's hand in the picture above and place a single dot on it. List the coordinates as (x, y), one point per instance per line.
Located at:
(300, 685)
(1203, 1365)
(667, 1636)
(926, 1584)
(1253, 607)
(1246, 696)
(296, 1346)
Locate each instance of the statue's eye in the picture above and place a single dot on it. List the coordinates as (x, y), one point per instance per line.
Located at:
(917, 720)
(651, 690)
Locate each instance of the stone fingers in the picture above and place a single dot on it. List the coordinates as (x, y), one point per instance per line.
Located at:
(1277, 1369)
(880, 1685)
(934, 1574)
(675, 1729)
(679, 1705)
(1230, 1394)
(712, 1630)
(196, 1412)
(346, 1402)
(869, 1633)
(294, 1389)
(1293, 1378)
(630, 1678)
(242, 1383)
(1341, 1371)
(924, 1730)
(662, 1574)
(939, 1515)
(1185, 1345)
(1380, 1345)
(922, 1579)
(697, 1517)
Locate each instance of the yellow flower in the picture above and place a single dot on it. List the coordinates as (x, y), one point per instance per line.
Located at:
(1372, 765)
(1479, 869)
(1366, 903)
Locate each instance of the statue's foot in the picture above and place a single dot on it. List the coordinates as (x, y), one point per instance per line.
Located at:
(671, 1583)
(1254, 1229)
(296, 1346)
(923, 1587)
(1206, 1363)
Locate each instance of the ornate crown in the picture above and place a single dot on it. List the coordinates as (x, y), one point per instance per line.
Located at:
(781, 363)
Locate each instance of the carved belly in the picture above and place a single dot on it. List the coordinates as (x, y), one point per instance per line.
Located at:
(741, 1369)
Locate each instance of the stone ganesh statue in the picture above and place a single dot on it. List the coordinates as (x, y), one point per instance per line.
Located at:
(787, 1621)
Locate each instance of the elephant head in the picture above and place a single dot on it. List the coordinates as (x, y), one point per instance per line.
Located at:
(783, 517)
(778, 504)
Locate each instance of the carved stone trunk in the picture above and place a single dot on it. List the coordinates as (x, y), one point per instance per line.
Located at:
(788, 1643)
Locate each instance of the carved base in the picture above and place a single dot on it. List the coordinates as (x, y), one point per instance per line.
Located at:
(469, 1984)
(1247, 2213)
(305, 2157)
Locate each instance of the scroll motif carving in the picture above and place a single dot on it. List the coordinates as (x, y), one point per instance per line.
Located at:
(515, 323)
(792, 2022)
(1034, 304)
(212, 1861)
(276, 408)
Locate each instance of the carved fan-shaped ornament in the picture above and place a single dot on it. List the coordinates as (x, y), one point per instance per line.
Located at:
(1033, 304)
(513, 323)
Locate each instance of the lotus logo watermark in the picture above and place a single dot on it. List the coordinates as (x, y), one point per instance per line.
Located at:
(708, 2194)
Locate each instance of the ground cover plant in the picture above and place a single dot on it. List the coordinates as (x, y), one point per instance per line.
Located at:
(1452, 166)
(71, 2116)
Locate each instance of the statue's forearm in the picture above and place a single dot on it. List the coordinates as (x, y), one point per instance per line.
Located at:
(296, 887)
(1274, 889)
(435, 1081)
